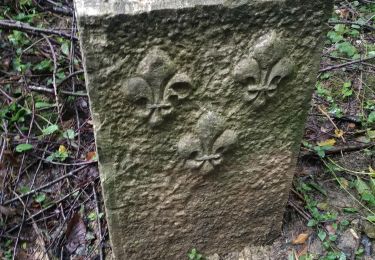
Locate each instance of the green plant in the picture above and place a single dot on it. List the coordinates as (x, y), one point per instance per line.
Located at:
(60, 155)
(195, 255)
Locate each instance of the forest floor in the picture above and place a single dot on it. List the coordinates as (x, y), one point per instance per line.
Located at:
(50, 197)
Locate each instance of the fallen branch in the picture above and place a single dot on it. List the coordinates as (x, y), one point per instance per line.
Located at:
(15, 25)
(50, 91)
(368, 27)
(340, 149)
(345, 64)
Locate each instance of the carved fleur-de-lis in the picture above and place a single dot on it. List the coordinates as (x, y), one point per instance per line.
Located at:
(156, 88)
(263, 69)
(204, 150)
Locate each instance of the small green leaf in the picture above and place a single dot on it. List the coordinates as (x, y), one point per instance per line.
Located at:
(69, 134)
(371, 218)
(344, 223)
(92, 216)
(350, 210)
(340, 28)
(50, 130)
(333, 237)
(335, 37)
(43, 65)
(40, 197)
(347, 48)
(346, 90)
(371, 117)
(322, 235)
(65, 48)
(361, 186)
(23, 147)
(24, 189)
(41, 105)
(312, 223)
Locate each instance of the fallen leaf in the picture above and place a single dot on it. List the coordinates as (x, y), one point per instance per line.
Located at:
(75, 233)
(328, 142)
(40, 252)
(303, 251)
(355, 235)
(322, 206)
(62, 149)
(331, 230)
(90, 156)
(301, 239)
(339, 133)
(344, 13)
(344, 182)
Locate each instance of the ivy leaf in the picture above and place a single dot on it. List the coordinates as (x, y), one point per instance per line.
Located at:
(23, 148)
(347, 48)
(335, 37)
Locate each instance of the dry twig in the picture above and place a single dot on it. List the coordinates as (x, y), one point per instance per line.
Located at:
(15, 25)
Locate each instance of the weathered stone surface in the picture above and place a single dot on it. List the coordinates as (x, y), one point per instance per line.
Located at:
(199, 108)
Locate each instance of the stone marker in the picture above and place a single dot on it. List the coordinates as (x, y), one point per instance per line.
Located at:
(199, 108)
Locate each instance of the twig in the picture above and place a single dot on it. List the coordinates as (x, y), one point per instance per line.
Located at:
(15, 25)
(63, 164)
(54, 77)
(55, 8)
(368, 27)
(345, 64)
(6, 95)
(51, 91)
(75, 73)
(330, 119)
(69, 174)
(342, 149)
(303, 214)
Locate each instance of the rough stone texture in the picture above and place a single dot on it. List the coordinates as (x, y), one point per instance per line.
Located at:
(198, 112)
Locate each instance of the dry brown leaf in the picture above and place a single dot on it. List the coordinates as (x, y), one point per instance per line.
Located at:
(39, 253)
(75, 233)
(301, 239)
(330, 229)
(303, 251)
(90, 156)
(343, 12)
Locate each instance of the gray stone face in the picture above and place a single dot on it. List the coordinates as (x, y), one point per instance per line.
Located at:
(199, 109)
